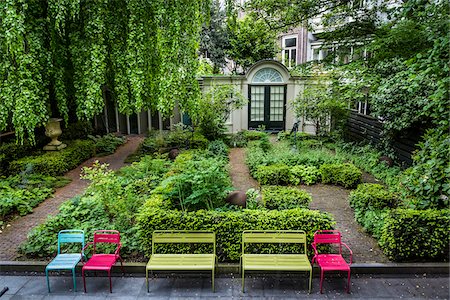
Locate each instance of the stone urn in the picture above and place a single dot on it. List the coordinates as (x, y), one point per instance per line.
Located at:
(53, 131)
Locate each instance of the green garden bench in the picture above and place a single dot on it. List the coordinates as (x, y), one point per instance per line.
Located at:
(185, 261)
(274, 262)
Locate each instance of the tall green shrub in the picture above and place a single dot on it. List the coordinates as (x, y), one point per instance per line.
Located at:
(416, 234)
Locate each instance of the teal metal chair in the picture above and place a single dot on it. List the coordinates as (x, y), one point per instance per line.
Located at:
(66, 261)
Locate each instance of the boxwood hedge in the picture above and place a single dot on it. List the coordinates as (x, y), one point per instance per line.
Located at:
(416, 234)
(345, 174)
(58, 162)
(283, 197)
(227, 225)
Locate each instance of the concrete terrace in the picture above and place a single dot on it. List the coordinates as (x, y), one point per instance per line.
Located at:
(275, 286)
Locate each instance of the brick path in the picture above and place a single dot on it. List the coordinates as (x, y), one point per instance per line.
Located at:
(16, 234)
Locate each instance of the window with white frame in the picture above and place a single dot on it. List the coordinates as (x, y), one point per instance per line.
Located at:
(289, 54)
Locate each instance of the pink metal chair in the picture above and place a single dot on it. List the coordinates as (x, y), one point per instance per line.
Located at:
(331, 261)
(103, 262)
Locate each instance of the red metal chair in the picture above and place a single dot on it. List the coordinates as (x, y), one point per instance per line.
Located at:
(331, 261)
(103, 262)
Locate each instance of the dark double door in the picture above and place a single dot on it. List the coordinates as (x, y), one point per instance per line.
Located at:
(267, 106)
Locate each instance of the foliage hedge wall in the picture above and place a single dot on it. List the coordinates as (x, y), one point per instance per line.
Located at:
(227, 225)
(416, 234)
(58, 162)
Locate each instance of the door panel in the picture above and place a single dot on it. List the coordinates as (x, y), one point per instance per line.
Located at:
(267, 106)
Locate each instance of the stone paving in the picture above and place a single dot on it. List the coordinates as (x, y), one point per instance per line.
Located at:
(227, 287)
(16, 233)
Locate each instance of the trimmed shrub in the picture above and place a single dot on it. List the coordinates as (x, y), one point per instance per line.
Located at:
(372, 203)
(58, 162)
(416, 234)
(282, 197)
(278, 174)
(345, 174)
(373, 197)
(304, 174)
(253, 135)
(228, 225)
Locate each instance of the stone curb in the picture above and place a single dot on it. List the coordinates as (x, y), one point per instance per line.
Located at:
(357, 268)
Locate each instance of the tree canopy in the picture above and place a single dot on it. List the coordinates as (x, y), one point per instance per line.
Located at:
(56, 55)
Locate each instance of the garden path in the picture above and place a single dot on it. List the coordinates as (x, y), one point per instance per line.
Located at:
(16, 233)
(326, 198)
(239, 172)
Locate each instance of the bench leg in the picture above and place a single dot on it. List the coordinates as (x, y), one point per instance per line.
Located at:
(110, 285)
(243, 281)
(348, 283)
(48, 281)
(212, 281)
(84, 280)
(146, 279)
(321, 279)
(310, 280)
(74, 280)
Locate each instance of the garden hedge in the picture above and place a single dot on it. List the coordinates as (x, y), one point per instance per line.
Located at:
(228, 226)
(56, 163)
(304, 174)
(372, 203)
(345, 174)
(416, 235)
(278, 174)
(283, 197)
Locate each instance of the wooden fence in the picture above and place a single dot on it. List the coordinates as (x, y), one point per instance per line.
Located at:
(362, 127)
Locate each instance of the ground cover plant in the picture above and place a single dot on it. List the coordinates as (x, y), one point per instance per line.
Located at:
(19, 194)
(282, 197)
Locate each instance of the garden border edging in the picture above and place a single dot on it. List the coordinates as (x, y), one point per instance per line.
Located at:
(138, 268)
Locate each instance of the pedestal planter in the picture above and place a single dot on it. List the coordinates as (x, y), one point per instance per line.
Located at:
(53, 131)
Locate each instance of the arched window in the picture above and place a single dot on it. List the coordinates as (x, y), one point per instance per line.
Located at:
(267, 75)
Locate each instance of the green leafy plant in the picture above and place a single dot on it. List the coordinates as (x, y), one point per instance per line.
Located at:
(345, 174)
(218, 148)
(253, 199)
(281, 197)
(107, 144)
(410, 235)
(304, 174)
(277, 174)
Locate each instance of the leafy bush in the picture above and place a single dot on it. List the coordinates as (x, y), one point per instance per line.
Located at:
(372, 203)
(281, 197)
(416, 234)
(107, 144)
(110, 202)
(278, 174)
(237, 140)
(427, 183)
(58, 162)
(264, 143)
(218, 148)
(304, 174)
(253, 135)
(369, 196)
(368, 159)
(21, 193)
(196, 183)
(253, 199)
(345, 174)
(10, 152)
(228, 225)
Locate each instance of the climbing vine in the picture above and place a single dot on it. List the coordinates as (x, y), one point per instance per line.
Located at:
(61, 56)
